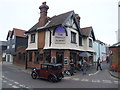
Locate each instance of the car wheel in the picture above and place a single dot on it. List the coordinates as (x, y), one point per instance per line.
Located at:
(60, 77)
(52, 78)
(34, 75)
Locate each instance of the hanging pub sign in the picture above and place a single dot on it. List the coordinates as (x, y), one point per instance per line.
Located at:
(60, 35)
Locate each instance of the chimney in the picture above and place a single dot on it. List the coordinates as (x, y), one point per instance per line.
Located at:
(78, 18)
(43, 14)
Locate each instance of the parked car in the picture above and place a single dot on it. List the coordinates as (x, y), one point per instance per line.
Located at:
(52, 72)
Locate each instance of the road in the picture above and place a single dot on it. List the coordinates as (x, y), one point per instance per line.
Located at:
(16, 78)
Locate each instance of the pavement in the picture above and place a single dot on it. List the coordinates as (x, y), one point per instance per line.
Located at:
(92, 69)
(115, 74)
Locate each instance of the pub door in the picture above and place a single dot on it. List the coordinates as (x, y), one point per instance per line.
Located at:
(59, 57)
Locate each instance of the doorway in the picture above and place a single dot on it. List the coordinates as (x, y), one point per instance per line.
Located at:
(59, 57)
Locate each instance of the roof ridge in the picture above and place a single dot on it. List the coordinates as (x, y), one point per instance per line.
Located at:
(63, 13)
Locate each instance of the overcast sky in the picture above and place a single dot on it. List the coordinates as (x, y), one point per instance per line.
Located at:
(102, 15)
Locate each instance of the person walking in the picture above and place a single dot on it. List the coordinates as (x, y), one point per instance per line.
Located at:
(84, 66)
(99, 64)
(72, 67)
(79, 64)
(107, 59)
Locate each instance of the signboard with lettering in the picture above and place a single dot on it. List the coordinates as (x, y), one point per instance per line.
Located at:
(60, 35)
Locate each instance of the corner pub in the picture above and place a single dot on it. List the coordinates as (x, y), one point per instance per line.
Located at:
(57, 39)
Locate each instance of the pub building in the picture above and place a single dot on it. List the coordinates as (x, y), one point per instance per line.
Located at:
(57, 39)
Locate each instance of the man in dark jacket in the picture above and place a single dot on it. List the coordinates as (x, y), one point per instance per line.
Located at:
(99, 64)
(72, 67)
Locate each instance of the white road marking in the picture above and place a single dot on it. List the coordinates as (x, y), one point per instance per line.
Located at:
(14, 86)
(98, 81)
(16, 82)
(10, 84)
(21, 85)
(94, 73)
(76, 79)
(4, 81)
(107, 81)
(116, 82)
(67, 78)
(85, 80)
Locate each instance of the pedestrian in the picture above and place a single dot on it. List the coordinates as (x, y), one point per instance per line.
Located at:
(84, 66)
(99, 64)
(107, 59)
(72, 67)
(79, 64)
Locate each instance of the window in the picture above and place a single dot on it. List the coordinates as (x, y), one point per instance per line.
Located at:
(13, 46)
(90, 43)
(32, 38)
(30, 56)
(13, 37)
(38, 57)
(8, 47)
(80, 41)
(73, 37)
(47, 56)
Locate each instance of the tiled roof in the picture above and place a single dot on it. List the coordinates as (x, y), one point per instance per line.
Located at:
(19, 32)
(59, 19)
(86, 31)
(53, 21)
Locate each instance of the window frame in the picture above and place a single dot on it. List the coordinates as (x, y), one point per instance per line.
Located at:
(80, 41)
(90, 43)
(73, 37)
(32, 38)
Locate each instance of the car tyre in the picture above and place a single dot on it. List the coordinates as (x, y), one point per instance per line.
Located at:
(60, 76)
(52, 78)
(34, 75)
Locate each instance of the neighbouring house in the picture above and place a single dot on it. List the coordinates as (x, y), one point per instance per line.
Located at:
(15, 39)
(115, 55)
(3, 47)
(88, 39)
(100, 49)
(57, 39)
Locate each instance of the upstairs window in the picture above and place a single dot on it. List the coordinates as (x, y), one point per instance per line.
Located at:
(80, 41)
(73, 37)
(32, 38)
(90, 43)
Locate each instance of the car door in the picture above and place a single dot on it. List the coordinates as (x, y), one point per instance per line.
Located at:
(44, 71)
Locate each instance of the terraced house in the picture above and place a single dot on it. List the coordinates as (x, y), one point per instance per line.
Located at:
(57, 39)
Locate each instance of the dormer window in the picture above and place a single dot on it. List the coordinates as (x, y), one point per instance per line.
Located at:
(32, 38)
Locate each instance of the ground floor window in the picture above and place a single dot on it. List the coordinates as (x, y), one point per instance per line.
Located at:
(59, 57)
(47, 56)
(30, 56)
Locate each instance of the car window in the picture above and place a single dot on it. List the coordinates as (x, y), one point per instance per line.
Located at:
(54, 67)
(44, 67)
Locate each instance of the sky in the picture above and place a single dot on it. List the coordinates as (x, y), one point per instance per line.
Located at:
(102, 15)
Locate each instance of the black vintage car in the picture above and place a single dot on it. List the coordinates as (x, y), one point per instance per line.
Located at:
(52, 72)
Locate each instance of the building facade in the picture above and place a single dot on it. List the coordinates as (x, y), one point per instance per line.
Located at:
(57, 39)
(100, 49)
(15, 38)
(3, 47)
(115, 55)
